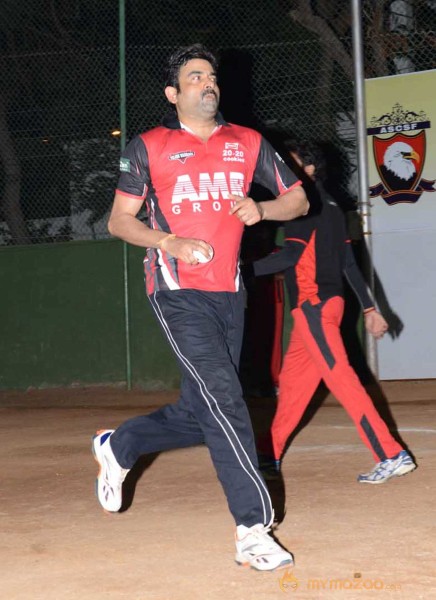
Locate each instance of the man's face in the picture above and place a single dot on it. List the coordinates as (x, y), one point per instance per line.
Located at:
(198, 94)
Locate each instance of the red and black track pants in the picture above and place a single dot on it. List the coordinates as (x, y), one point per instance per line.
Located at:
(316, 351)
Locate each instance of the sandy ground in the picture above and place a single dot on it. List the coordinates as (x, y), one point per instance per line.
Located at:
(174, 541)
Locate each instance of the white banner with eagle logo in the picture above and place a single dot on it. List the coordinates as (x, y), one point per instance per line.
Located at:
(401, 133)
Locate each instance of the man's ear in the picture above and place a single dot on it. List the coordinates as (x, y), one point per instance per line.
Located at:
(171, 94)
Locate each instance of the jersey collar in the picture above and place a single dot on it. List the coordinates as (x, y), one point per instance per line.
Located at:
(171, 121)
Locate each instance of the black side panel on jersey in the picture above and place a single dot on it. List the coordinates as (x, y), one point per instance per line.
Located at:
(265, 176)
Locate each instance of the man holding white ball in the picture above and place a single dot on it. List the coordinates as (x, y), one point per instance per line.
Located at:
(194, 174)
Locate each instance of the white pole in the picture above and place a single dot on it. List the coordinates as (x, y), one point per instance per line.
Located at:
(362, 162)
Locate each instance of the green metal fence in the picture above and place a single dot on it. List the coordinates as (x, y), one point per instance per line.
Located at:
(286, 68)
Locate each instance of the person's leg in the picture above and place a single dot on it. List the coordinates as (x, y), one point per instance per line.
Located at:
(205, 331)
(298, 380)
(320, 326)
(172, 426)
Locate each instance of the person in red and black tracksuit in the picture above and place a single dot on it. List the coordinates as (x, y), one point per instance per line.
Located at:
(316, 256)
(194, 174)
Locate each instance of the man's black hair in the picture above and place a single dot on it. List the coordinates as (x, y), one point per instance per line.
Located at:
(181, 56)
(309, 153)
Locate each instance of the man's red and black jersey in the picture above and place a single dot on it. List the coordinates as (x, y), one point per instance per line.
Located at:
(317, 254)
(185, 183)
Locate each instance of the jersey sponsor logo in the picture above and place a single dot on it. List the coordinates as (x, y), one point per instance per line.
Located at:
(232, 153)
(213, 187)
(400, 158)
(125, 165)
(181, 156)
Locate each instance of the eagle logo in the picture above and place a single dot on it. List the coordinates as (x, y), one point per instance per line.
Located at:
(400, 161)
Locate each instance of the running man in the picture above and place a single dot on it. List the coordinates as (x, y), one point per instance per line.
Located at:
(194, 174)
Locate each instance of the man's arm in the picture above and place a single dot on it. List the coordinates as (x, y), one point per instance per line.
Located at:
(375, 323)
(277, 262)
(273, 174)
(124, 224)
(356, 280)
(132, 189)
(288, 206)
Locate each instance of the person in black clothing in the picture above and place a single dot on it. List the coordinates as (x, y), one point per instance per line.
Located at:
(315, 258)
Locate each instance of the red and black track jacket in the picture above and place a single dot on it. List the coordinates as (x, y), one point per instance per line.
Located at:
(317, 254)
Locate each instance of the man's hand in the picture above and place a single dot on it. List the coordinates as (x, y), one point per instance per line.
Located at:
(375, 324)
(246, 210)
(183, 248)
(290, 205)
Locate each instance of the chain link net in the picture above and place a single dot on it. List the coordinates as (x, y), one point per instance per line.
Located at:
(286, 69)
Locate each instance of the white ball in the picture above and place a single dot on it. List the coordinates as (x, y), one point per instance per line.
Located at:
(200, 256)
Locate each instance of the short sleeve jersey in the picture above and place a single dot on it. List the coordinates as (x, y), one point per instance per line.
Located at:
(185, 183)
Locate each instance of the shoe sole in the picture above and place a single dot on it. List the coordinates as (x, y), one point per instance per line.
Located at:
(270, 475)
(95, 454)
(403, 470)
(283, 565)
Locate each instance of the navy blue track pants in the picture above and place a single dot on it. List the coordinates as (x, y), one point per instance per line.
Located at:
(205, 331)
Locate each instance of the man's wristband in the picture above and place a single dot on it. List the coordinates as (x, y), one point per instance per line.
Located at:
(368, 310)
(160, 243)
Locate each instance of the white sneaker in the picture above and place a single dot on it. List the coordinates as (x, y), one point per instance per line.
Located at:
(399, 465)
(256, 548)
(109, 482)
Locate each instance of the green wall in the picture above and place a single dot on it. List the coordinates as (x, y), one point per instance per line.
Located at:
(63, 318)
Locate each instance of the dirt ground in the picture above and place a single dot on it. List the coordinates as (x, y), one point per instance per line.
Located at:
(174, 541)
